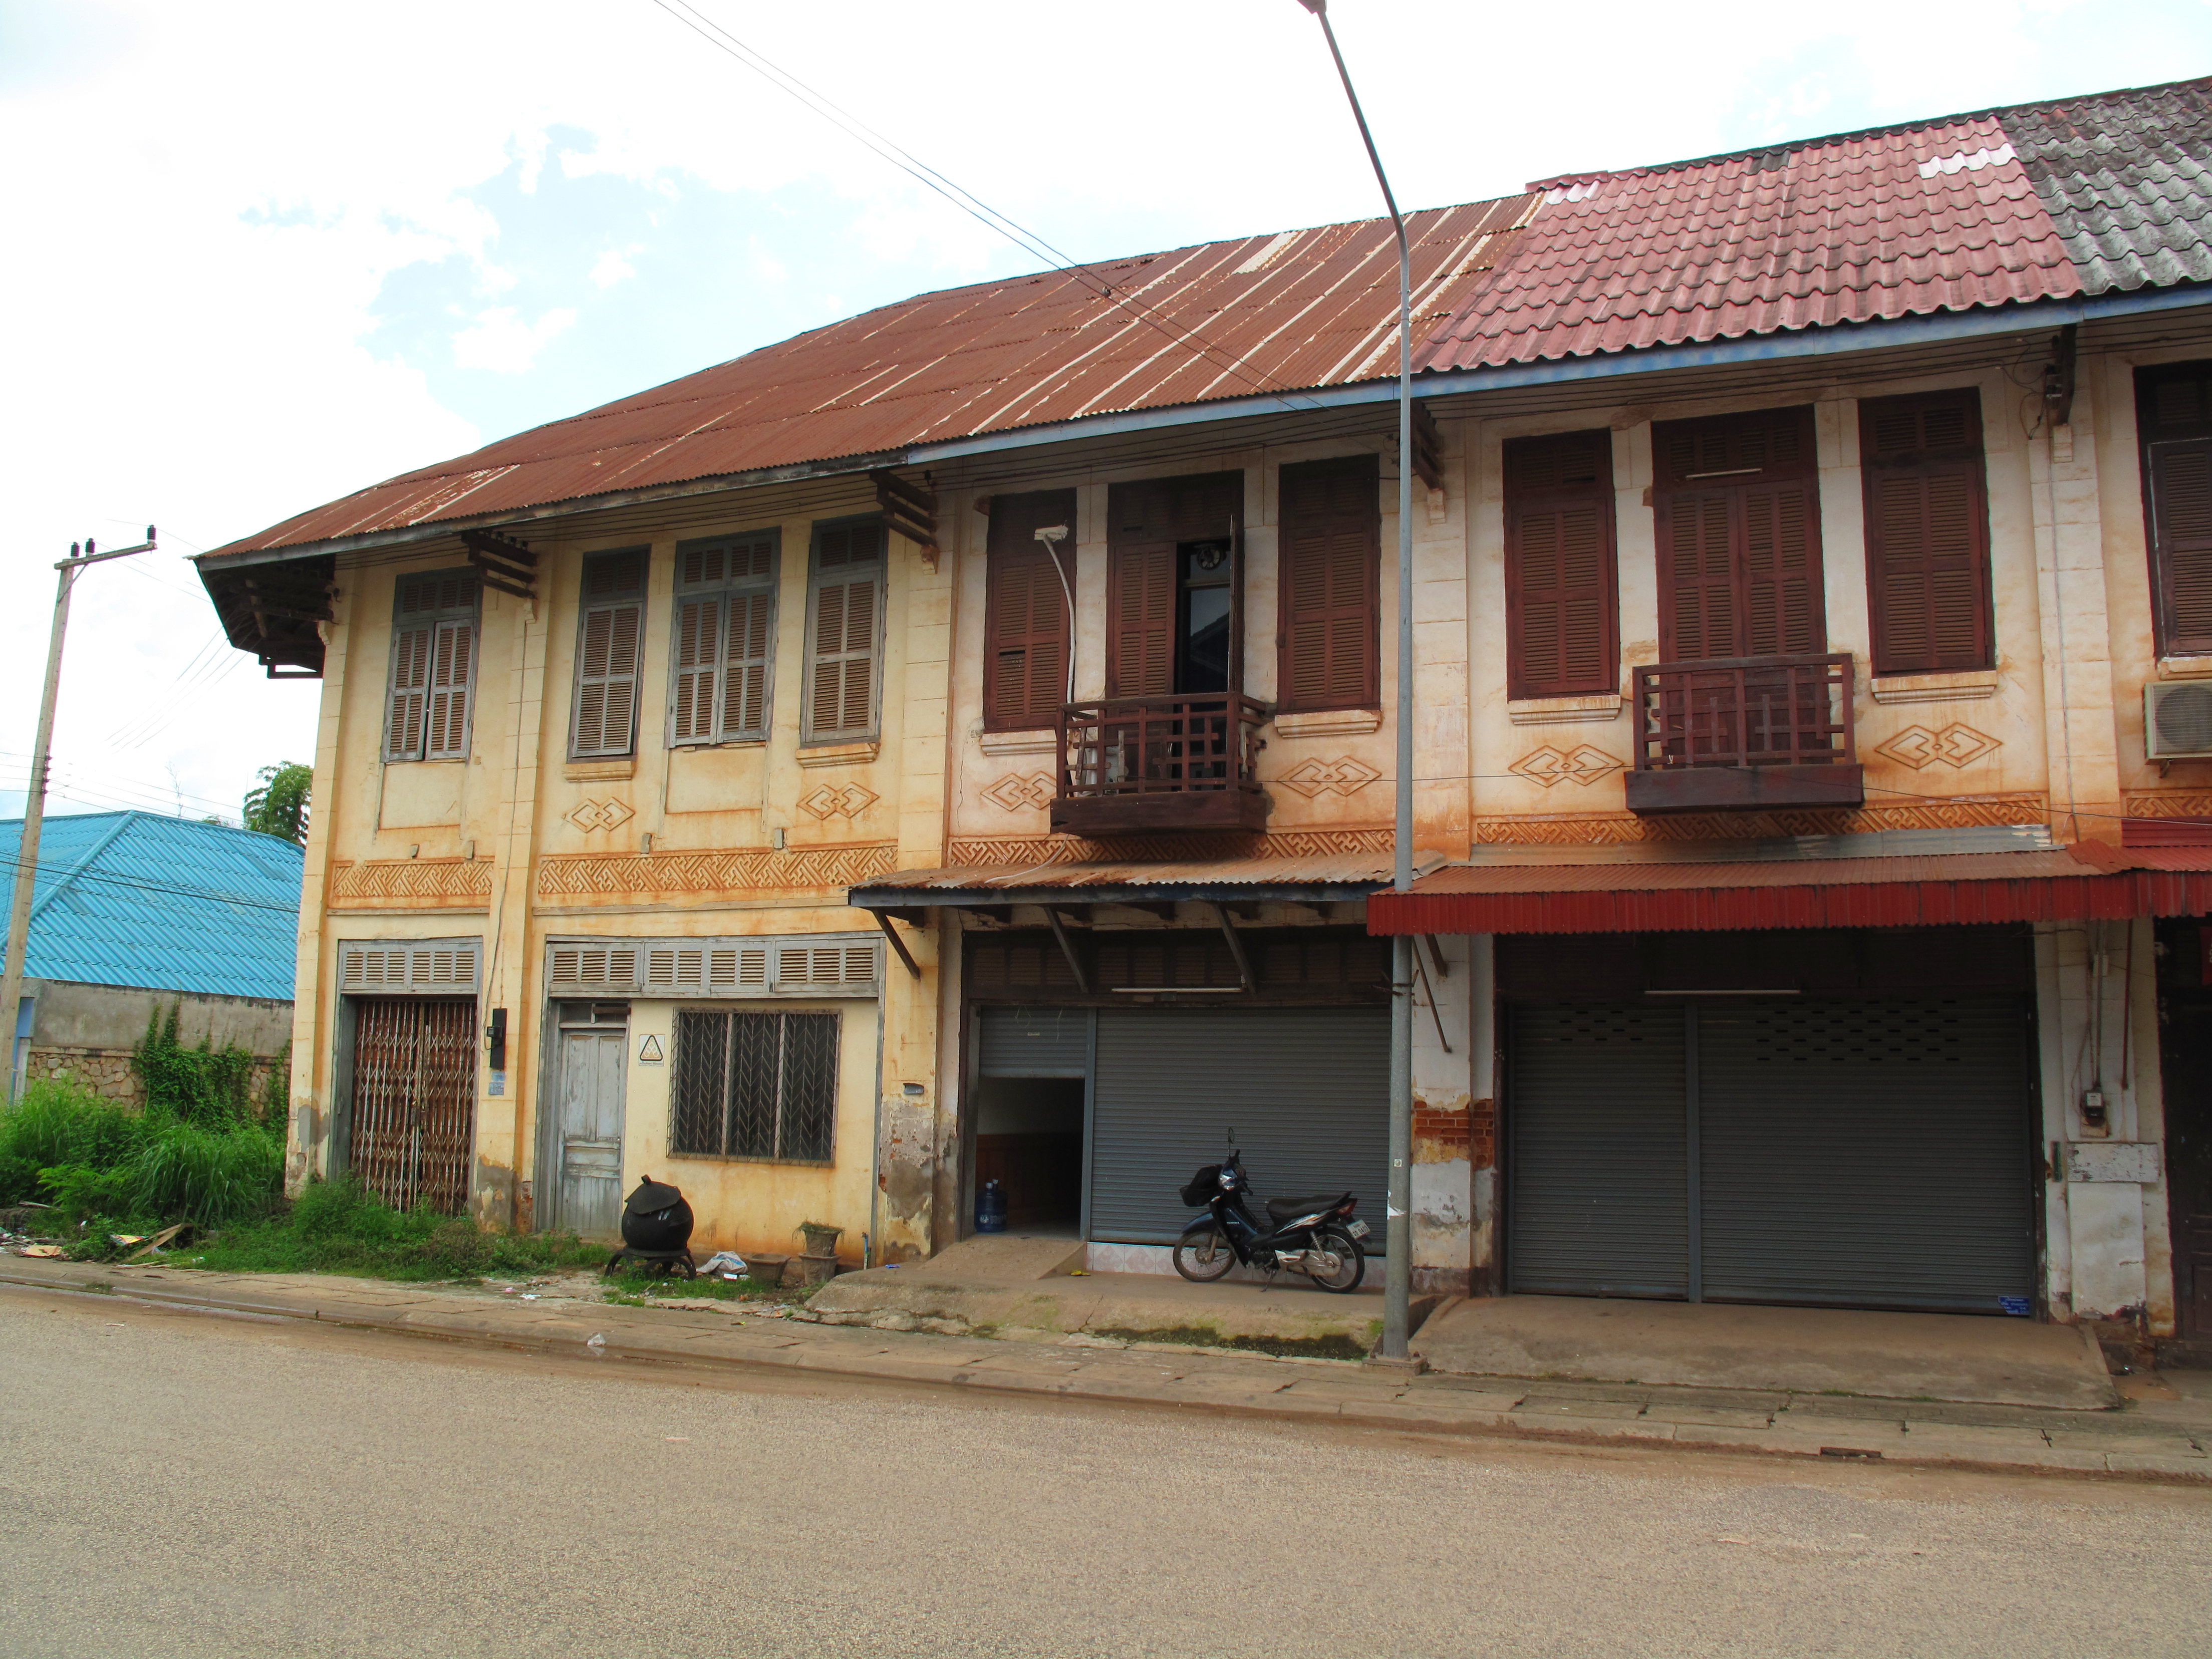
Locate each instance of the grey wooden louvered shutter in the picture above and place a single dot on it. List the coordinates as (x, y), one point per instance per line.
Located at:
(2174, 425)
(843, 666)
(721, 669)
(434, 638)
(613, 616)
(1927, 531)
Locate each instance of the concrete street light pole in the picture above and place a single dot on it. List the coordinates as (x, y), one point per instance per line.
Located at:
(34, 800)
(1398, 1235)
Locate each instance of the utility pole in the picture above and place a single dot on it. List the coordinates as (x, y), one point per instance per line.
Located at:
(34, 800)
(1398, 1204)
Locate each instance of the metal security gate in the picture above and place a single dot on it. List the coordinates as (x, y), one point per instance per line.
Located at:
(1305, 1091)
(1864, 1153)
(413, 1130)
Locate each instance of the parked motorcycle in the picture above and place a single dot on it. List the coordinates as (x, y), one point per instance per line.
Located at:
(1316, 1237)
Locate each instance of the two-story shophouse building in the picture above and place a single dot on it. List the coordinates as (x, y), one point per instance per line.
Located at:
(955, 745)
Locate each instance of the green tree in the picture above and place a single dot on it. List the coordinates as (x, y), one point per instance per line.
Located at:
(277, 806)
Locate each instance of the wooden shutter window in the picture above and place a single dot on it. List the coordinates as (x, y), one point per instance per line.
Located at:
(1025, 613)
(1562, 592)
(1329, 538)
(433, 666)
(1737, 512)
(720, 674)
(1140, 629)
(2174, 421)
(842, 666)
(1927, 528)
(612, 619)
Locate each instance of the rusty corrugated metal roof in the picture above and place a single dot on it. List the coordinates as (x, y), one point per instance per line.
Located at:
(1295, 311)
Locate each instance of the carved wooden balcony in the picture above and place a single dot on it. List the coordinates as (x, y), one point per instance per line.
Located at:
(1745, 733)
(1144, 765)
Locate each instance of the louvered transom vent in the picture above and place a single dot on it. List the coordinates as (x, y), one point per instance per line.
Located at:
(844, 653)
(1561, 591)
(443, 966)
(1927, 526)
(717, 968)
(1738, 517)
(2174, 416)
(1330, 549)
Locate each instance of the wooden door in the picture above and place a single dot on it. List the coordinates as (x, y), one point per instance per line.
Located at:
(413, 1100)
(594, 1056)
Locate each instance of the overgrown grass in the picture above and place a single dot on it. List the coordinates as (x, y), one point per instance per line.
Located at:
(94, 1160)
(340, 1227)
(640, 1289)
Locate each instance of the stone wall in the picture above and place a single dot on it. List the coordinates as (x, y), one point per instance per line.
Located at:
(107, 1071)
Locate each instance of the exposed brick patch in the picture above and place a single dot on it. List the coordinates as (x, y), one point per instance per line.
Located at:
(1482, 1134)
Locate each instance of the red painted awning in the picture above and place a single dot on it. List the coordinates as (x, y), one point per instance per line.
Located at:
(1628, 890)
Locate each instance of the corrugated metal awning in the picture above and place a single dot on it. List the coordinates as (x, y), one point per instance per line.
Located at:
(1306, 880)
(1633, 893)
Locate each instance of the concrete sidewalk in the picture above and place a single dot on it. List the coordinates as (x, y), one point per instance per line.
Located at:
(2163, 1433)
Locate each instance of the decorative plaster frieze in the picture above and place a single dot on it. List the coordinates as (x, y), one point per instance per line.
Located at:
(1606, 827)
(829, 801)
(590, 815)
(1022, 791)
(1583, 765)
(1347, 775)
(743, 870)
(1071, 850)
(1954, 745)
(426, 884)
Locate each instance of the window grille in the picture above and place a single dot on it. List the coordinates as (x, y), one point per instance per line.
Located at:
(755, 1085)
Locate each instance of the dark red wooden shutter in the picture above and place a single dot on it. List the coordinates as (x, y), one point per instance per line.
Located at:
(1328, 540)
(1025, 612)
(1141, 603)
(2174, 420)
(1738, 516)
(1927, 532)
(1562, 597)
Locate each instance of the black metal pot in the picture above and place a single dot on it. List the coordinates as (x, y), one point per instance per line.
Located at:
(656, 1218)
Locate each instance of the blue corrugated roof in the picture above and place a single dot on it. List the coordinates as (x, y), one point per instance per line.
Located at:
(167, 904)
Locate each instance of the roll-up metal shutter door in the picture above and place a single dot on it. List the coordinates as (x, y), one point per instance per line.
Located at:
(1035, 1043)
(1600, 1198)
(1306, 1090)
(1872, 1153)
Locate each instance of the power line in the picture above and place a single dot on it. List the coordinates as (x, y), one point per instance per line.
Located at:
(1178, 333)
(55, 872)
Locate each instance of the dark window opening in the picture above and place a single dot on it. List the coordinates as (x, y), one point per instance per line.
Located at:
(1203, 611)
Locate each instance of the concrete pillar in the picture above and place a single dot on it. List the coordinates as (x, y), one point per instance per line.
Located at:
(2081, 732)
(1443, 1198)
(314, 1000)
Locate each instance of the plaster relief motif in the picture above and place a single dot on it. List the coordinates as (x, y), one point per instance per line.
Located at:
(1018, 792)
(1073, 850)
(831, 801)
(590, 815)
(740, 870)
(1583, 831)
(1345, 775)
(1920, 746)
(1583, 765)
(430, 883)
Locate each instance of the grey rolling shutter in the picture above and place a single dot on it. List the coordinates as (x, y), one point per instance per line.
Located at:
(1305, 1090)
(613, 614)
(1598, 1158)
(1035, 1043)
(843, 666)
(1870, 1153)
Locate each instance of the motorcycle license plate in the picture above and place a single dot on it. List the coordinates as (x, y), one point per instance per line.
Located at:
(1358, 1229)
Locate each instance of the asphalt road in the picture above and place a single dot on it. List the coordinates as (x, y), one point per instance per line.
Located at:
(177, 1483)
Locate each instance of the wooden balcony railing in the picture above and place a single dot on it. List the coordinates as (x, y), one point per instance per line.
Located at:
(1150, 763)
(1745, 732)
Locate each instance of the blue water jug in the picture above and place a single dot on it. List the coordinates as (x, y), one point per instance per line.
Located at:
(991, 1208)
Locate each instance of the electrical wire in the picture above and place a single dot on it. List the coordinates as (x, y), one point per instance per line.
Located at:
(56, 872)
(1180, 334)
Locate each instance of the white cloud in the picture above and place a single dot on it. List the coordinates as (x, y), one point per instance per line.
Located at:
(501, 340)
(614, 265)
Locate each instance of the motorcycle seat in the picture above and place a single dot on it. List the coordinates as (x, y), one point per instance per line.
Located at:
(1289, 1209)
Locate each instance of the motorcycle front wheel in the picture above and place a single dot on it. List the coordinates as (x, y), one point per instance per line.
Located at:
(1204, 1254)
(1332, 1243)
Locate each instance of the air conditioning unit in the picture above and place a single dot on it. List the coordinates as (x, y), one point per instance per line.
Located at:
(2177, 720)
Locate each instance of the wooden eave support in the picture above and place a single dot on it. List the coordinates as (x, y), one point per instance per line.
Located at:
(503, 562)
(1435, 1012)
(1067, 949)
(898, 944)
(910, 509)
(1428, 449)
(1236, 948)
(1436, 955)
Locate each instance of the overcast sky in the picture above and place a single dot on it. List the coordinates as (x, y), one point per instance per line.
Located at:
(261, 255)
